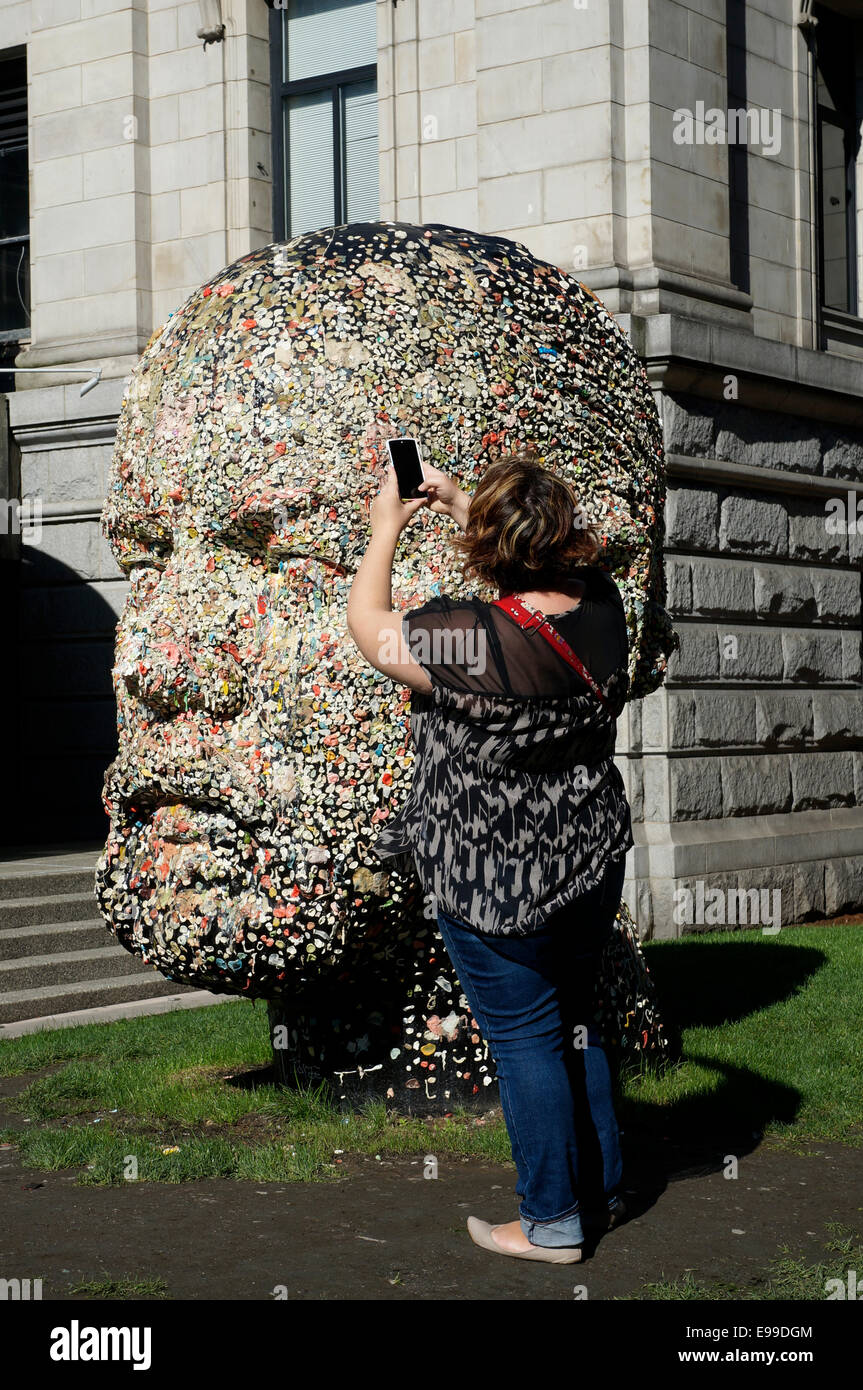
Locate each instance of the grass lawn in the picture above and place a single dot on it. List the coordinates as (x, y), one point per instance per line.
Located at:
(771, 1038)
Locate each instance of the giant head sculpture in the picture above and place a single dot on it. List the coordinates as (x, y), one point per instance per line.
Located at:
(258, 752)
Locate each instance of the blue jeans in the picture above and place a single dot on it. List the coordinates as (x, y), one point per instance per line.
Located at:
(532, 998)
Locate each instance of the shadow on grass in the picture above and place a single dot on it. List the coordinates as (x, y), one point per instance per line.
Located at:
(703, 984)
(708, 984)
(700, 984)
(254, 1078)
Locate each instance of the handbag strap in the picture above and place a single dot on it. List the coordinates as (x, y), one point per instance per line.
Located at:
(528, 621)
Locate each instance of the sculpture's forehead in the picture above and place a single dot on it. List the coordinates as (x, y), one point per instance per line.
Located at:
(293, 307)
(288, 371)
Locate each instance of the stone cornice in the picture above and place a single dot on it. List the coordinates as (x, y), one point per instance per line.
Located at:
(755, 478)
(686, 355)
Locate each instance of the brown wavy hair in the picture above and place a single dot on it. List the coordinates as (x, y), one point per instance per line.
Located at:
(525, 528)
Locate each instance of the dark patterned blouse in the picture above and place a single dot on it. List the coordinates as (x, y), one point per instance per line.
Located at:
(515, 806)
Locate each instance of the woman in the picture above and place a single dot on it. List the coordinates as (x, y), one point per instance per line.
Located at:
(517, 821)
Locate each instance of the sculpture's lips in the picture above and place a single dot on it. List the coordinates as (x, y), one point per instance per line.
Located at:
(181, 818)
(181, 823)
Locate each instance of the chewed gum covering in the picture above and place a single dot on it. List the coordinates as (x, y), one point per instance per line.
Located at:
(259, 753)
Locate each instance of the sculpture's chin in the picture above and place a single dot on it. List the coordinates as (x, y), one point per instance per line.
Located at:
(212, 901)
(204, 902)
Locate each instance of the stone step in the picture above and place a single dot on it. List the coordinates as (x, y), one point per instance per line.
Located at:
(19, 1004)
(72, 967)
(109, 1013)
(27, 884)
(44, 870)
(56, 953)
(49, 938)
(55, 907)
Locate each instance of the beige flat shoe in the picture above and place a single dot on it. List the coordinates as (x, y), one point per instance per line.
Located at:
(482, 1234)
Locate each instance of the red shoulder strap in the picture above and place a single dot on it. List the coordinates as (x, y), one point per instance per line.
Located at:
(537, 622)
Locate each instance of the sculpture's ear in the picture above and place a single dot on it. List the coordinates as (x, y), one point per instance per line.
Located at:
(618, 552)
(658, 640)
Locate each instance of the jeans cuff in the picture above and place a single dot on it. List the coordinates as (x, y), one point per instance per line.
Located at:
(565, 1231)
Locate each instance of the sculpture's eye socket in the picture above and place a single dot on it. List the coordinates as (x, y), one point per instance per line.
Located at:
(268, 537)
(145, 553)
(247, 538)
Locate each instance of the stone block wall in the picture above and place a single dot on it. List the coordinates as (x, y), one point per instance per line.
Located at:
(746, 768)
(145, 157)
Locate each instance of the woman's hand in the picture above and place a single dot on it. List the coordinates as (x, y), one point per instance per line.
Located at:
(445, 495)
(387, 511)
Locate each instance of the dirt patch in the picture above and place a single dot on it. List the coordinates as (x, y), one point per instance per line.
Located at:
(384, 1231)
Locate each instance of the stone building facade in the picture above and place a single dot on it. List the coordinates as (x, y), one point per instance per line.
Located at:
(696, 162)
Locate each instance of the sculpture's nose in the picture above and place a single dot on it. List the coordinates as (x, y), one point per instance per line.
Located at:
(175, 652)
(169, 676)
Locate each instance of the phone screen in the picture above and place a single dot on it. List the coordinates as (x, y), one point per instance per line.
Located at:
(405, 456)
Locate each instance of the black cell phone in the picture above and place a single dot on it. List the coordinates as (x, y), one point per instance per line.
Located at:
(405, 458)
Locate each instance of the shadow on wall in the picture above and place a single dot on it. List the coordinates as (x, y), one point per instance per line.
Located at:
(58, 708)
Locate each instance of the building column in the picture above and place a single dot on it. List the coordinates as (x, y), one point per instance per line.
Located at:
(89, 159)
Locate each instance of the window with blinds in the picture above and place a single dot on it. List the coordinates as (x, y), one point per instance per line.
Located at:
(14, 198)
(325, 120)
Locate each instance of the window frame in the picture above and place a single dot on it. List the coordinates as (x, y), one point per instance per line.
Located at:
(824, 116)
(16, 335)
(280, 92)
(849, 319)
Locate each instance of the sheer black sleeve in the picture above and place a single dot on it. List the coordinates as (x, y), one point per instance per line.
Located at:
(450, 641)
